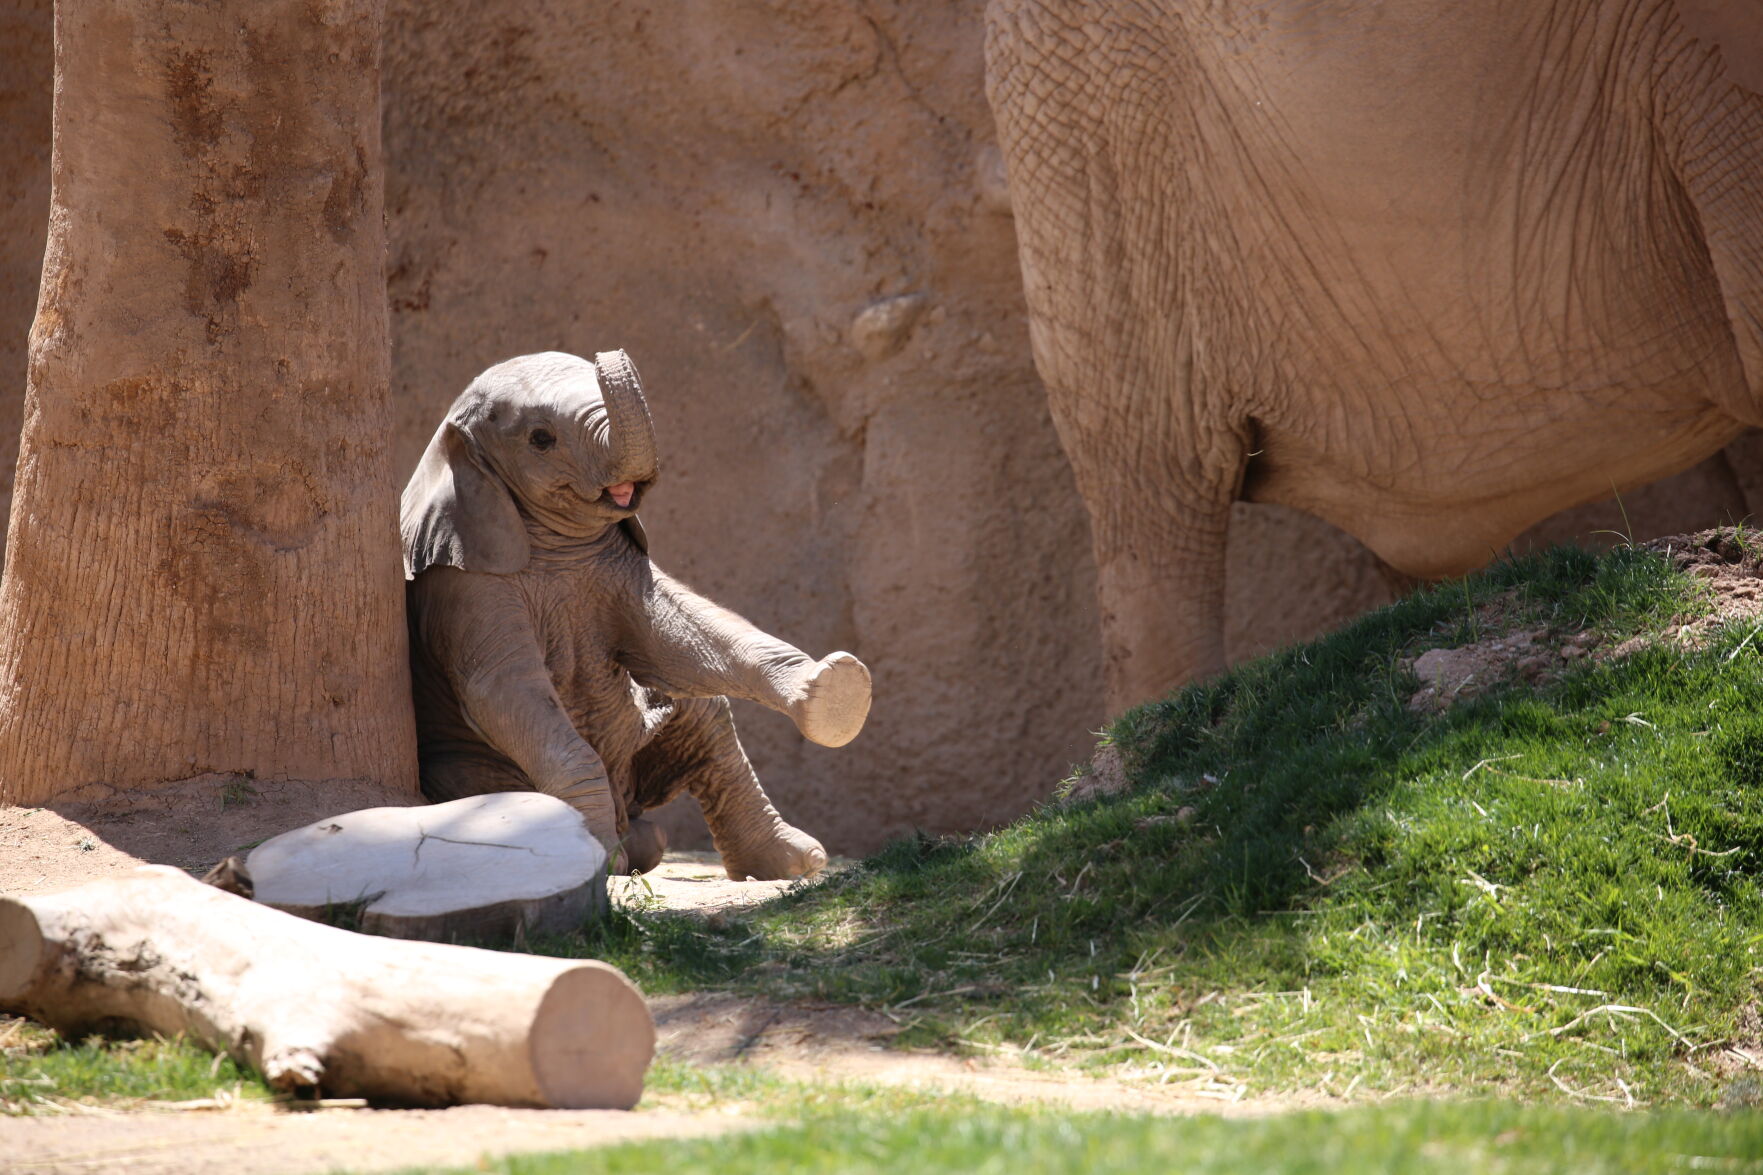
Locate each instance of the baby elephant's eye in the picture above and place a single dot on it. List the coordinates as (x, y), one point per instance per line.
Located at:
(542, 439)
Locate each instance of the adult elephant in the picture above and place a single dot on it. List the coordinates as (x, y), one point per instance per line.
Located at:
(1429, 270)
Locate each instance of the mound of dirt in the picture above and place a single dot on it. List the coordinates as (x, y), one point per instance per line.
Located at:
(1536, 655)
(1106, 777)
(1727, 565)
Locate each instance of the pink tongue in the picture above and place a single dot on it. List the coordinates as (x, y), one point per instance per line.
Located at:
(621, 493)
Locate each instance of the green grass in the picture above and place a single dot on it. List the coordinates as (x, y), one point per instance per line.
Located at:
(39, 1071)
(1405, 1139)
(1550, 890)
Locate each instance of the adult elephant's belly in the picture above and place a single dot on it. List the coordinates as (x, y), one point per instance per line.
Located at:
(1437, 485)
(1463, 315)
(1446, 390)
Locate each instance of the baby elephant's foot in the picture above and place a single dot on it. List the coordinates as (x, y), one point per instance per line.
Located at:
(785, 853)
(645, 843)
(834, 702)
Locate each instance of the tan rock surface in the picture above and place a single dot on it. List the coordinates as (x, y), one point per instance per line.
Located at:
(737, 200)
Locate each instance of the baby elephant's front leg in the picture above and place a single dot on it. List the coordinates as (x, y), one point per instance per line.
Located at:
(691, 648)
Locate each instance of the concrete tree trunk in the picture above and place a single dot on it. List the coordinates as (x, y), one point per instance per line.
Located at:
(203, 573)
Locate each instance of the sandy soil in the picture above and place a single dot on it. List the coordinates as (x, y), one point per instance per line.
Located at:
(42, 850)
(696, 882)
(191, 825)
(822, 1043)
(260, 1141)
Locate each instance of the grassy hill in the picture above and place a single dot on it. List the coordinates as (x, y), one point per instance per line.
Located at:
(1316, 874)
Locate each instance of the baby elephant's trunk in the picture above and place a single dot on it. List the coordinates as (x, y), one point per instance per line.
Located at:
(633, 433)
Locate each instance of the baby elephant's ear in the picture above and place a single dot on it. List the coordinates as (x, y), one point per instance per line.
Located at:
(458, 514)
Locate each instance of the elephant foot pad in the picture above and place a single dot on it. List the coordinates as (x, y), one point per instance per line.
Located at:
(836, 701)
(483, 869)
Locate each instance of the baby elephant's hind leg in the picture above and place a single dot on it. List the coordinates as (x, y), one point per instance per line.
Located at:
(697, 751)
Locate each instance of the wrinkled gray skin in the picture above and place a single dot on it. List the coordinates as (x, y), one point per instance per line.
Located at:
(548, 652)
(1431, 270)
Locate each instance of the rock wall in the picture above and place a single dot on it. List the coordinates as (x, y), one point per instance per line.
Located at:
(793, 215)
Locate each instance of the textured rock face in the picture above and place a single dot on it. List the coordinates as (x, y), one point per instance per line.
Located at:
(790, 215)
(793, 215)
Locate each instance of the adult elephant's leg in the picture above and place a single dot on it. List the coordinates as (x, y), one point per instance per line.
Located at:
(1124, 297)
(1156, 429)
(1713, 129)
(1162, 607)
(697, 751)
(1159, 496)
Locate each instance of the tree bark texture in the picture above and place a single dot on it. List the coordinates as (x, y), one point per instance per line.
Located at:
(316, 1008)
(204, 573)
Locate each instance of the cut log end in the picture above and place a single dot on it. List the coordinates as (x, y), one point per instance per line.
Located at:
(294, 1070)
(592, 1040)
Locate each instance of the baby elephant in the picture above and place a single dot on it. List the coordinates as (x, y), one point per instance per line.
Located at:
(548, 652)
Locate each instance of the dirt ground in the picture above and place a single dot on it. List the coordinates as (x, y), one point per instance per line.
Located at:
(191, 825)
(42, 850)
(260, 1141)
(831, 1043)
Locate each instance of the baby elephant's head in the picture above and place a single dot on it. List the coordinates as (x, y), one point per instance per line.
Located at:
(571, 440)
(551, 438)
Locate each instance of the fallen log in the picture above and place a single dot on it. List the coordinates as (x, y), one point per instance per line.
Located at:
(489, 868)
(317, 1009)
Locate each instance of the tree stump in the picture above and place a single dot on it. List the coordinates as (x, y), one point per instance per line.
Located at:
(314, 1007)
(487, 868)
